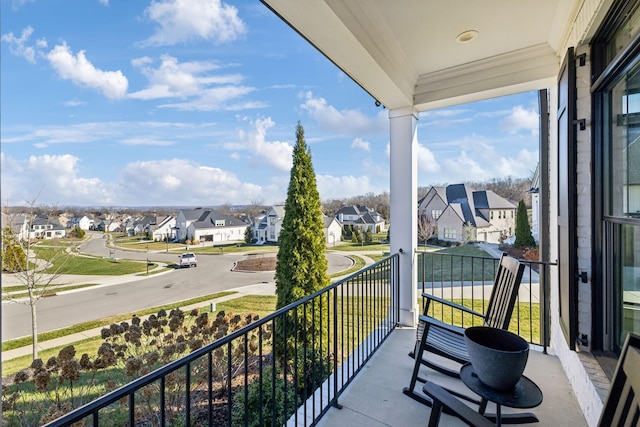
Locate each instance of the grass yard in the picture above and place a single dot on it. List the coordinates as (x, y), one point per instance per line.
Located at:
(525, 320)
(455, 264)
(64, 263)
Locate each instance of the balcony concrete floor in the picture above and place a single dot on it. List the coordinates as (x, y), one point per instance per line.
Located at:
(375, 396)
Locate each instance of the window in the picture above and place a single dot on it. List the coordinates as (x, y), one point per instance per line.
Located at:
(435, 213)
(616, 60)
(621, 167)
(449, 233)
(491, 215)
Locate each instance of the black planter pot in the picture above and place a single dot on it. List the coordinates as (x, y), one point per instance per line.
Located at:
(498, 357)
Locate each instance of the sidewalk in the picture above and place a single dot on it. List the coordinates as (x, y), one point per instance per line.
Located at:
(256, 289)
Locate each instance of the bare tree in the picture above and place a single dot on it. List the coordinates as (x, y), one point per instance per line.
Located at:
(426, 228)
(36, 274)
(255, 207)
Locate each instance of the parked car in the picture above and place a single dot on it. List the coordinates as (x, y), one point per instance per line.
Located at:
(188, 259)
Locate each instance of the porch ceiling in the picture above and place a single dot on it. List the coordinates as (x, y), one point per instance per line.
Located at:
(405, 52)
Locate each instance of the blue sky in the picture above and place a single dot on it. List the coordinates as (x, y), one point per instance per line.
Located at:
(195, 103)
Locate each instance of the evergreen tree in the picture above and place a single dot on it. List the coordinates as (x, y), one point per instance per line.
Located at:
(302, 265)
(248, 235)
(14, 258)
(524, 238)
(368, 236)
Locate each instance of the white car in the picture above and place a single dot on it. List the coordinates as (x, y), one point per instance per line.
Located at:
(188, 259)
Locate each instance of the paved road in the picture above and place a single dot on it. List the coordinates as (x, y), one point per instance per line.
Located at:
(212, 275)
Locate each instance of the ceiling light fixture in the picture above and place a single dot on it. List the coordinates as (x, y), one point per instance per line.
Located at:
(466, 36)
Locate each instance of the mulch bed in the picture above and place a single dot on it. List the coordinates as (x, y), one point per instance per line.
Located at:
(257, 263)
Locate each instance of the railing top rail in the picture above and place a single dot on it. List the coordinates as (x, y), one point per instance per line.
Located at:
(488, 258)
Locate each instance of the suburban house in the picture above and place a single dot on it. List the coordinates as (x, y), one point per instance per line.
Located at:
(17, 223)
(462, 214)
(332, 230)
(266, 227)
(164, 230)
(84, 222)
(361, 218)
(216, 227)
(433, 203)
(208, 225)
(44, 228)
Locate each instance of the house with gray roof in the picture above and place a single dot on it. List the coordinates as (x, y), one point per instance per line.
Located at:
(209, 225)
(17, 223)
(468, 214)
(267, 226)
(361, 218)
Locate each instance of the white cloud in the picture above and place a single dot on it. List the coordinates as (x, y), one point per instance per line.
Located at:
(157, 181)
(146, 140)
(521, 119)
(184, 20)
(426, 160)
(173, 79)
(16, 4)
(18, 45)
(361, 144)
(479, 159)
(104, 2)
(277, 154)
(78, 69)
(54, 179)
(193, 81)
(346, 122)
(148, 132)
(74, 103)
(339, 187)
(58, 181)
(79, 133)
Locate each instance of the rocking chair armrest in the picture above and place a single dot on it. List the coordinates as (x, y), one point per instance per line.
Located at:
(430, 321)
(450, 304)
(442, 397)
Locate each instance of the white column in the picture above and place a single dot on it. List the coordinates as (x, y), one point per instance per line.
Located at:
(404, 205)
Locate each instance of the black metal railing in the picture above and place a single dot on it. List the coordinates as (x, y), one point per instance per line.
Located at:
(288, 367)
(468, 280)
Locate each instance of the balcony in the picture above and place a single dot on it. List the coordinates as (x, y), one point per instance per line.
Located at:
(345, 350)
(375, 396)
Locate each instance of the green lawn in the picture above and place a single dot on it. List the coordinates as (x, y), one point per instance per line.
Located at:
(65, 263)
(355, 247)
(455, 265)
(525, 320)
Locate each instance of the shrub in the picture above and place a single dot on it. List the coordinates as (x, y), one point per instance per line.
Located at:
(312, 369)
(261, 398)
(49, 390)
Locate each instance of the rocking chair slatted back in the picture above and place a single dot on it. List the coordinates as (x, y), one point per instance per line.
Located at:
(504, 293)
